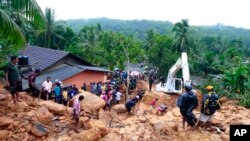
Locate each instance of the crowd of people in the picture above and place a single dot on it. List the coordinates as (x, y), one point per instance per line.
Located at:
(112, 92)
(60, 93)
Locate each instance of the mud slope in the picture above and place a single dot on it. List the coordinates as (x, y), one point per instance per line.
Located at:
(46, 121)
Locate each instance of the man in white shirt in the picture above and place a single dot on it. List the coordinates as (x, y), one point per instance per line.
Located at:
(47, 88)
(118, 96)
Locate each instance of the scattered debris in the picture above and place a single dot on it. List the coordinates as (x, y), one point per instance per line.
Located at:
(46, 120)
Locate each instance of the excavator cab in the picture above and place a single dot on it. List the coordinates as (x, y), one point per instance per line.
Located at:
(178, 85)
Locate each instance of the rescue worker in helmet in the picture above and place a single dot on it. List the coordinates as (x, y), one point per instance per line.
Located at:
(187, 103)
(210, 104)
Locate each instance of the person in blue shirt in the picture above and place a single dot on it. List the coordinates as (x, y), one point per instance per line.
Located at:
(75, 89)
(71, 93)
(57, 91)
(125, 75)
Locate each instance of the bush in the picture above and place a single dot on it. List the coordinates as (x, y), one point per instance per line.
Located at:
(1, 74)
(243, 98)
(217, 84)
(2, 66)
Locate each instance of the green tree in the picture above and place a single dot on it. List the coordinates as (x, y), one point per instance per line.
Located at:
(160, 54)
(90, 35)
(181, 30)
(114, 45)
(149, 39)
(48, 34)
(237, 78)
(85, 44)
(68, 34)
(15, 14)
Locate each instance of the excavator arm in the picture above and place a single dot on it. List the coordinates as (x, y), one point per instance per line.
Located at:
(174, 85)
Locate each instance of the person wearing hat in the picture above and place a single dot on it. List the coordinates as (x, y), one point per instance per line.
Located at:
(187, 103)
(210, 103)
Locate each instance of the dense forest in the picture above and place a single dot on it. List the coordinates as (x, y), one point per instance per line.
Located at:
(139, 28)
(218, 53)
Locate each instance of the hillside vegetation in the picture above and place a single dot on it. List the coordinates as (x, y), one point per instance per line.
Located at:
(139, 28)
(219, 54)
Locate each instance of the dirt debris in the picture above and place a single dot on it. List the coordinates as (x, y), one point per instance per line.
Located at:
(18, 122)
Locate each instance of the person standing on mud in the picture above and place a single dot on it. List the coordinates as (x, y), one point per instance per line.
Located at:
(118, 96)
(46, 88)
(187, 103)
(84, 87)
(13, 79)
(210, 104)
(58, 93)
(150, 81)
(76, 110)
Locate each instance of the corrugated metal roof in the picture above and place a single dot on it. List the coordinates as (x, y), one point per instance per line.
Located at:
(92, 68)
(42, 58)
(63, 72)
(134, 67)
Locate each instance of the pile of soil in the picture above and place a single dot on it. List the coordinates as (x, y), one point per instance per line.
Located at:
(46, 121)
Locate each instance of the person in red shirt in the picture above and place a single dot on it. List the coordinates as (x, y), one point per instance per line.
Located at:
(153, 104)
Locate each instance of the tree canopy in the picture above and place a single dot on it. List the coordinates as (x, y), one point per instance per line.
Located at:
(220, 56)
(17, 16)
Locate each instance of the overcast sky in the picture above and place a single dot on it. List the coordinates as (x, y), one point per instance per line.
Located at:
(199, 12)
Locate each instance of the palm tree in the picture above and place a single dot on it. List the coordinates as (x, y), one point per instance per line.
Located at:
(90, 35)
(49, 30)
(16, 14)
(150, 39)
(181, 35)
